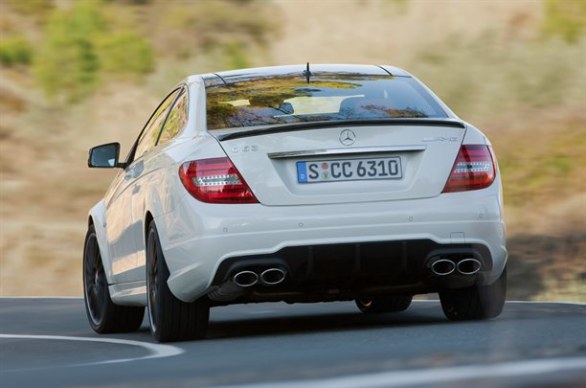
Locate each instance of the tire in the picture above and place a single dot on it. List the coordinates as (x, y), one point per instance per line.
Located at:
(475, 302)
(390, 304)
(103, 315)
(170, 318)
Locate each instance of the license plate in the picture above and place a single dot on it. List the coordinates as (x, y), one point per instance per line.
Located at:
(349, 170)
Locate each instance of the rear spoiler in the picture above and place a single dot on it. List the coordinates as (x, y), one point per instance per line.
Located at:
(266, 130)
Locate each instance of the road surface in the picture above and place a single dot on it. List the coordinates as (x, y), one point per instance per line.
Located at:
(47, 342)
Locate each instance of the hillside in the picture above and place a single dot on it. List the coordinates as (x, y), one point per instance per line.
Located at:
(517, 70)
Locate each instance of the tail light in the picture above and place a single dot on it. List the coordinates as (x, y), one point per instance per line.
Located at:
(215, 181)
(474, 169)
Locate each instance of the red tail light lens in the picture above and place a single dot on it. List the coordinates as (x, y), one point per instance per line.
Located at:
(215, 181)
(474, 169)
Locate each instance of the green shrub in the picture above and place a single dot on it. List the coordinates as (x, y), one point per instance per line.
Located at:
(565, 18)
(81, 44)
(235, 54)
(15, 50)
(126, 53)
(67, 63)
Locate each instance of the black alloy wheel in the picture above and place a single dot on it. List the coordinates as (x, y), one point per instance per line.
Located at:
(171, 319)
(103, 315)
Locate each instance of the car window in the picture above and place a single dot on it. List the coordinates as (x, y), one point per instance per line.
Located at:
(284, 99)
(150, 134)
(177, 118)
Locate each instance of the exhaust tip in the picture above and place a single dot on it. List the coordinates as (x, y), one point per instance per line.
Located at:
(443, 267)
(273, 276)
(469, 266)
(245, 279)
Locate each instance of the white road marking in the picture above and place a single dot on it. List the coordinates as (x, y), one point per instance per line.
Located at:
(43, 297)
(545, 302)
(155, 350)
(514, 302)
(437, 375)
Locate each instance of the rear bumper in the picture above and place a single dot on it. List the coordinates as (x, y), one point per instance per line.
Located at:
(345, 271)
(203, 244)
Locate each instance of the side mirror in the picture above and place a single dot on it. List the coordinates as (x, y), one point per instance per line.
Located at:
(105, 156)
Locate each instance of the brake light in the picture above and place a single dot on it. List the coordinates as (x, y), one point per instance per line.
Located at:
(215, 181)
(474, 169)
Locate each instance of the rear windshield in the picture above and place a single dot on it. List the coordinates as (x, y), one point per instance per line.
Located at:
(292, 99)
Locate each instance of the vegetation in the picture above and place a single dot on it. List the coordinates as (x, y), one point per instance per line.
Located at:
(84, 44)
(15, 50)
(78, 73)
(69, 48)
(126, 53)
(93, 41)
(565, 18)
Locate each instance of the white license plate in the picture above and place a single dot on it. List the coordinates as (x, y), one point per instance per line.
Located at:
(349, 170)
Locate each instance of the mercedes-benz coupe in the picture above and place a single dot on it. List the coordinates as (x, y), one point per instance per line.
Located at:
(307, 183)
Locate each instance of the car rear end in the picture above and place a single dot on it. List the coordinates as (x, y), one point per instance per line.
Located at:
(333, 183)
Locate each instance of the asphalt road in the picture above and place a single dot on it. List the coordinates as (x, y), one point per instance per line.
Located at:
(47, 342)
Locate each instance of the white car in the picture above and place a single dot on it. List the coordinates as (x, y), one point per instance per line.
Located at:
(306, 183)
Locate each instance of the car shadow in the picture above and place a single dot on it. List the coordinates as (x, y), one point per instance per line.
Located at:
(294, 322)
(316, 323)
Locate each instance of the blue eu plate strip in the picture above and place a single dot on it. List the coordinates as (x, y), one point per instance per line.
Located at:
(301, 172)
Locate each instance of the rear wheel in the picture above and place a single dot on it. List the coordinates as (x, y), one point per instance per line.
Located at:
(475, 302)
(103, 315)
(389, 304)
(170, 318)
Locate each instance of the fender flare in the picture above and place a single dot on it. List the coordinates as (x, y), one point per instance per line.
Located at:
(97, 217)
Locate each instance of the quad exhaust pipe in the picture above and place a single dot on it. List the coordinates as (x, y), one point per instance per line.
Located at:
(468, 266)
(245, 279)
(272, 277)
(444, 267)
(269, 277)
(235, 287)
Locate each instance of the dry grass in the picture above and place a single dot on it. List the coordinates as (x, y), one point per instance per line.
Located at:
(455, 46)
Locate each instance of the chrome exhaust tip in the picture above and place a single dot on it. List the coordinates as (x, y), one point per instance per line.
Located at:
(245, 279)
(469, 266)
(443, 267)
(273, 276)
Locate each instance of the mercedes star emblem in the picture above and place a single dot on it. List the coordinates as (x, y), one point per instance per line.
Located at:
(347, 137)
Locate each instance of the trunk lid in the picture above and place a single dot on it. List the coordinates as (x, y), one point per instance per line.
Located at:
(345, 163)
